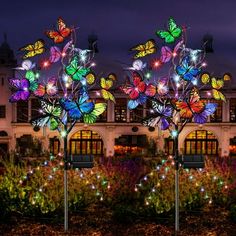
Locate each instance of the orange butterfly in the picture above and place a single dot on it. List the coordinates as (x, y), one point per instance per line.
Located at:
(193, 106)
(61, 33)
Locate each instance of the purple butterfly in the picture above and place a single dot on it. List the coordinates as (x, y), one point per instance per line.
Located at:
(22, 86)
(160, 114)
(201, 118)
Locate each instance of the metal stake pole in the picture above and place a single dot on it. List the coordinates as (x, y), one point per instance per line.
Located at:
(65, 185)
(176, 184)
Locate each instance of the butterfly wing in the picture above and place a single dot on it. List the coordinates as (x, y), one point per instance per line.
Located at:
(164, 123)
(150, 90)
(144, 49)
(107, 95)
(209, 109)
(55, 35)
(166, 54)
(72, 108)
(33, 49)
(166, 36)
(132, 104)
(55, 54)
(90, 118)
(40, 91)
(74, 71)
(185, 111)
(62, 28)
(174, 29)
(106, 83)
(22, 85)
(51, 88)
(218, 95)
(217, 83)
(151, 121)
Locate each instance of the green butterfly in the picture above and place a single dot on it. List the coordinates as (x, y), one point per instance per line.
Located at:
(91, 117)
(50, 116)
(172, 33)
(32, 77)
(75, 71)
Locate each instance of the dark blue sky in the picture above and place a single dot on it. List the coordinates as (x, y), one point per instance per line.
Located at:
(122, 24)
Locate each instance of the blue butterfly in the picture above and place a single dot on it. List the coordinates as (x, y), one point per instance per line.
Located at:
(76, 109)
(186, 70)
(133, 103)
(209, 109)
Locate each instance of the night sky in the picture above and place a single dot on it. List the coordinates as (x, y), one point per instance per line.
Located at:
(122, 24)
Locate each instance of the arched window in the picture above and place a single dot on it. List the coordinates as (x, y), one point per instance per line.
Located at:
(86, 142)
(201, 142)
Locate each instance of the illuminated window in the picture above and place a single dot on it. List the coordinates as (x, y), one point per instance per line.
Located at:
(86, 142)
(22, 111)
(232, 109)
(201, 142)
(121, 110)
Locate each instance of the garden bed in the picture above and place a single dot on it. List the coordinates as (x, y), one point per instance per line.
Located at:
(100, 222)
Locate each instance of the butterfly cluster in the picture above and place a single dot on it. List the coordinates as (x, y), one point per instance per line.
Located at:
(167, 81)
(64, 96)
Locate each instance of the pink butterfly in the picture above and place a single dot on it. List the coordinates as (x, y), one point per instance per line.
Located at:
(50, 88)
(56, 54)
(167, 54)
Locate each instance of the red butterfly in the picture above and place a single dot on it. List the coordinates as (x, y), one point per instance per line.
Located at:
(61, 33)
(136, 87)
(193, 106)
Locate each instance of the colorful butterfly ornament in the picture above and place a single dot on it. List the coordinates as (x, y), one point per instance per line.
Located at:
(77, 109)
(186, 70)
(22, 87)
(193, 54)
(161, 114)
(190, 107)
(137, 65)
(172, 33)
(50, 116)
(26, 65)
(216, 84)
(136, 90)
(106, 84)
(49, 89)
(33, 49)
(62, 32)
(75, 71)
(162, 86)
(56, 53)
(90, 118)
(32, 77)
(167, 54)
(144, 49)
(201, 117)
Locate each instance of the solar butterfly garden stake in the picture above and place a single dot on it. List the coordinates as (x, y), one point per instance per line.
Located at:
(64, 96)
(172, 83)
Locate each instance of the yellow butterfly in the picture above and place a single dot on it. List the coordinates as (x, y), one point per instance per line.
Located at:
(106, 84)
(32, 50)
(216, 85)
(144, 49)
